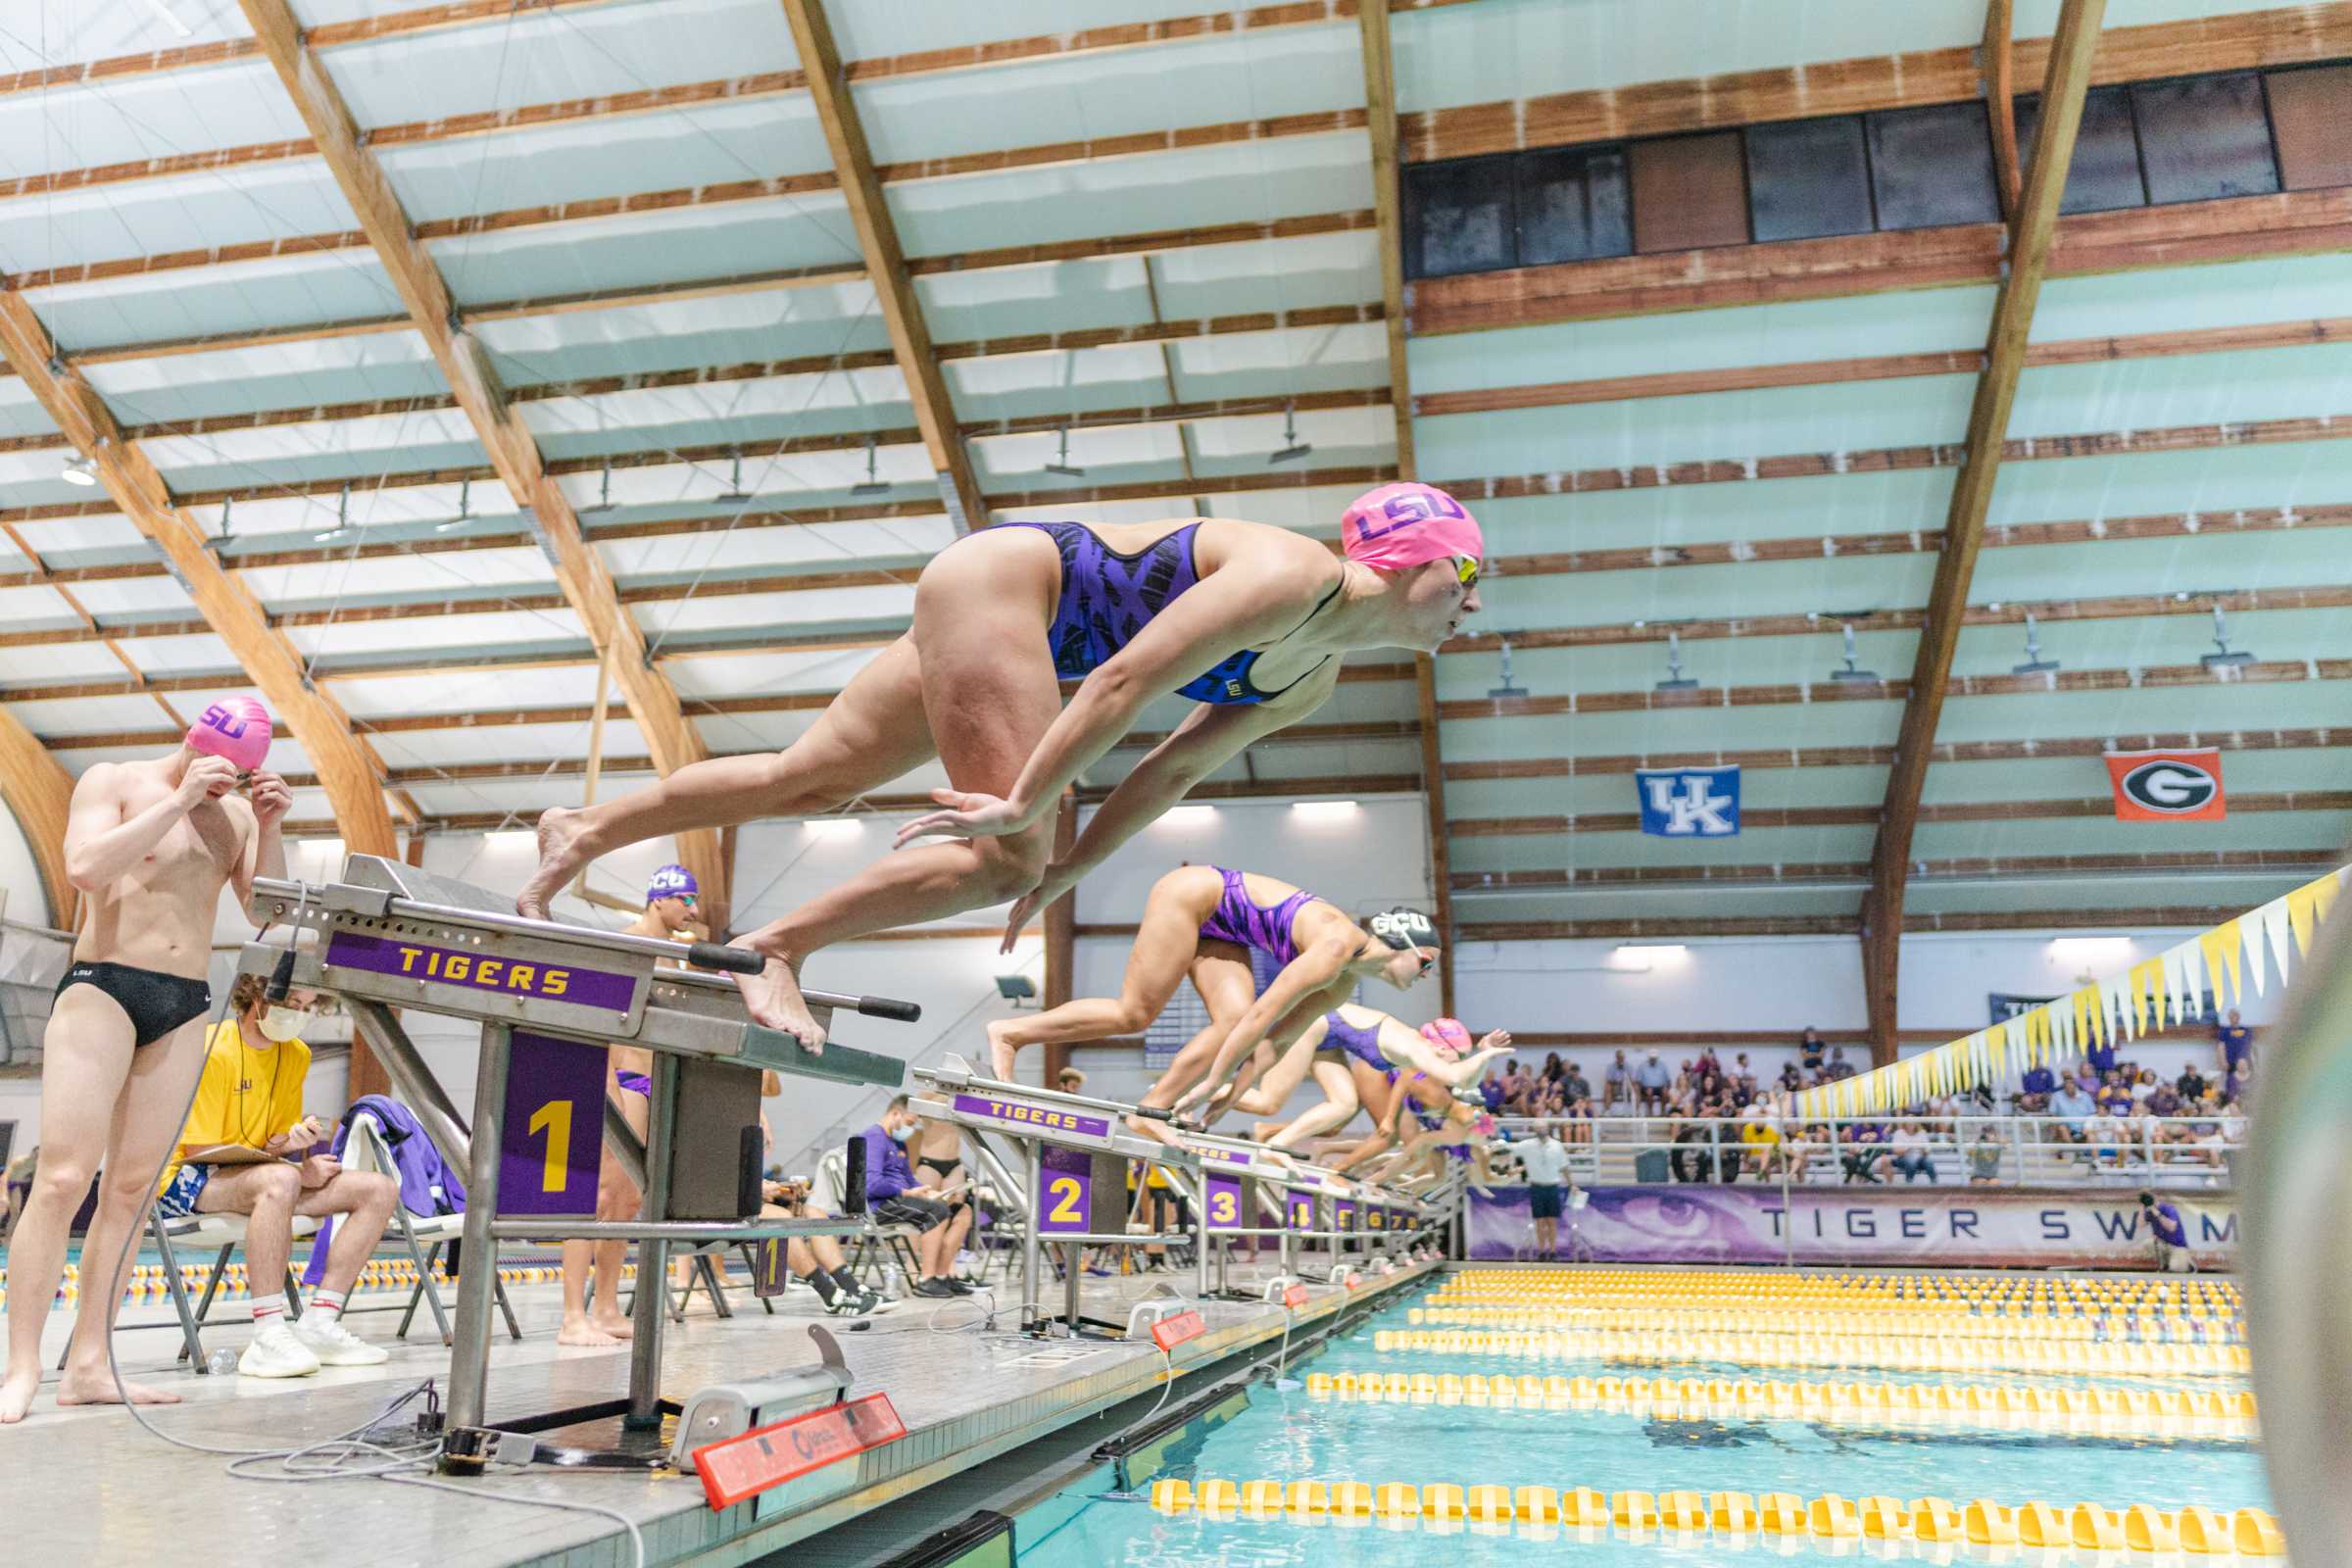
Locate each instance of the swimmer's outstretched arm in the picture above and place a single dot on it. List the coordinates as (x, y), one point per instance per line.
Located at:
(1402, 1043)
(1199, 627)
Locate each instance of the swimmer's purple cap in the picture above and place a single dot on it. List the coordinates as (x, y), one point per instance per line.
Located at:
(235, 729)
(672, 882)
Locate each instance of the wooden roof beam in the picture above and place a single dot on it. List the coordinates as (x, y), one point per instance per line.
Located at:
(886, 262)
(352, 786)
(2035, 226)
(38, 791)
(464, 365)
(1380, 122)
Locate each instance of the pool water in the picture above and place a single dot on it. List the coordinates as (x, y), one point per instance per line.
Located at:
(1300, 1434)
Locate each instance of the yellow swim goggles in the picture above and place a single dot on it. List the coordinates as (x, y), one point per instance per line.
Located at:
(1466, 567)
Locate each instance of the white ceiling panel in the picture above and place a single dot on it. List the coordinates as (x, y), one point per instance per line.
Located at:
(375, 641)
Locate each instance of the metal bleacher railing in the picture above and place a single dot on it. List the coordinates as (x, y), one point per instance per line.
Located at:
(33, 959)
(2025, 1150)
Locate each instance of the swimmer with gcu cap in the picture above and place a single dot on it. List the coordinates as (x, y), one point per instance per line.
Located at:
(671, 895)
(1356, 1053)
(150, 845)
(1204, 921)
(1246, 619)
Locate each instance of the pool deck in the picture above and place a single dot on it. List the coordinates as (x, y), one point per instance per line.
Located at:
(85, 1489)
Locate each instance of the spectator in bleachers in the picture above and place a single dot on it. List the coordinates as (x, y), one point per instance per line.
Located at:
(1684, 1091)
(2034, 1089)
(1551, 1067)
(893, 1197)
(1985, 1157)
(1912, 1158)
(2191, 1084)
(1864, 1155)
(2105, 1133)
(2237, 1041)
(2164, 1100)
(2114, 1094)
(1651, 1078)
(1707, 1063)
(2100, 1054)
(1810, 1049)
(1693, 1160)
(1573, 1084)
(1791, 1079)
(1617, 1081)
(1838, 1066)
(2073, 1108)
(1740, 1069)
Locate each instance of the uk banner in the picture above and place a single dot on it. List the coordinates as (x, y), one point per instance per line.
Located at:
(1689, 803)
(2168, 786)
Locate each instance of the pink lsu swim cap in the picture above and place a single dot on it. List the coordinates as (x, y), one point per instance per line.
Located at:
(1402, 525)
(235, 729)
(1447, 1035)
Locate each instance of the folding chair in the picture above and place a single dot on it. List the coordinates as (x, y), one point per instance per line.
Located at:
(877, 1245)
(422, 1237)
(227, 1233)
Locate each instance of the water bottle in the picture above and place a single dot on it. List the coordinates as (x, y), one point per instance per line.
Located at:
(222, 1362)
(894, 1283)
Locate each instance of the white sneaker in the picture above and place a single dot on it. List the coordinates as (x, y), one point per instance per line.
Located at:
(337, 1345)
(276, 1353)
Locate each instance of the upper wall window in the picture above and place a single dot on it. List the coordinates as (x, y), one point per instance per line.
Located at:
(1932, 166)
(2191, 138)
(2205, 138)
(1809, 178)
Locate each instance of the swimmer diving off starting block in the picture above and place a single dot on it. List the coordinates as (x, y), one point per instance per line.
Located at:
(1248, 619)
(1204, 921)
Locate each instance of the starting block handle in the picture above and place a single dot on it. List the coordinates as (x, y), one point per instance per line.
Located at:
(718, 956)
(868, 1006)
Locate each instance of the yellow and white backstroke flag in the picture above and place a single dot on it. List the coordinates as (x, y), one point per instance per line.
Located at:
(2229, 958)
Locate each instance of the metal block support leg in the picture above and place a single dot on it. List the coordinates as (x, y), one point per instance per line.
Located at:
(653, 1254)
(1033, 1262)
(470, 1357)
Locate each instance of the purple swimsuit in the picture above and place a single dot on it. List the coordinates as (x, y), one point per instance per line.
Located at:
(1240, 920)
(1339, 1035)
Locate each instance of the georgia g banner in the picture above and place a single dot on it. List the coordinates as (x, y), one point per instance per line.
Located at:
(2166, 786)
(1967, 1227)
(1689, 803)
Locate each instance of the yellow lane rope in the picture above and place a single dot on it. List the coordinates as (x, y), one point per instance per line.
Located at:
(1729, 1516)
(1886, 1351)
(2083, 1412)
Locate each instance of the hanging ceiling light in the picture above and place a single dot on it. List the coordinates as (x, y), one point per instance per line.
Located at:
(342, 519)
(464, 509)
(2035, 663)
(2228, 658)
(1849, 673)
(873, 483)
(604, 495)
(1676, 680)
(220, 541)
(1293, 448)
(79, 470)
(1061, 465)
(735, 491)
(1507, 690)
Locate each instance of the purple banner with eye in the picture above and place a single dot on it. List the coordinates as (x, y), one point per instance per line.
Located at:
(1042, 1118)
(1977, 1226)
(471, 971)
(1225, 1209)
(1065, 1195)
(552, 1139)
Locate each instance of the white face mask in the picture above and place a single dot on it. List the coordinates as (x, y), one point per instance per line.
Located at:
(282, 1023)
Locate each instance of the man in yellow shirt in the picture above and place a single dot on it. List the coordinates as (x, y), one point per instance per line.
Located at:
(238, 1155)
(1762, 1136)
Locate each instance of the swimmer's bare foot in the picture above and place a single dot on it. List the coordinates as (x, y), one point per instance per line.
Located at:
(772, 998)
(15, 1395)
(96, 1387)
(1000, 1050)
(581, 1331)
(561, 854)
(613, 1323)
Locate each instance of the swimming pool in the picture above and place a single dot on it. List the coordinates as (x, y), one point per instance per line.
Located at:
(1586, 1432)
